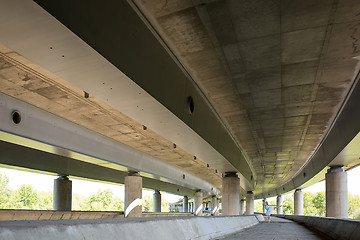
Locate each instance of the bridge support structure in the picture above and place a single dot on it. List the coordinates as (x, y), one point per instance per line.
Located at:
(279, 202)
(298, 202)
(157, 201)
(336, 192)
(62, 194)
(133, 195)
(249, 203)
(230, 194)
(198, 211)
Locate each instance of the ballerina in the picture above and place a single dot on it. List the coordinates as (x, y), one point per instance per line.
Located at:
(269, 209)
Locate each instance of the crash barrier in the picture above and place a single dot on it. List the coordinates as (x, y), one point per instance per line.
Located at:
(337, 228)
(15, 214)
(199, 228)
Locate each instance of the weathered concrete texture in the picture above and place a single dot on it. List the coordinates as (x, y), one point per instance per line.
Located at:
(298, 202)
(279, 202)
(156, 201)
(62, 194)
(198, 204)
(151, 228)
(12, 215)
(249, 203)
(277, 229)
(133, 195)
(337, 228)
(336, 193)
(230, 195)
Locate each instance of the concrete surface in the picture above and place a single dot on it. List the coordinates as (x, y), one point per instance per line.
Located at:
(338, 228)
(11, 215)
(336, 191)
(277, 229)
(199, 228)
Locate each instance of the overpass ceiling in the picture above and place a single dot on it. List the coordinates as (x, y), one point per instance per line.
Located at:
(276, 72)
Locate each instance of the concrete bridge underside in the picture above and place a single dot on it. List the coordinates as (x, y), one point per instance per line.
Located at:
(268, 90)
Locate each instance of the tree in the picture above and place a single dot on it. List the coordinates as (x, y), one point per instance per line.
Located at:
(288, 205)
(25, 197)
(102, 201)
(320, 204)
(354, 206)
(4, 190)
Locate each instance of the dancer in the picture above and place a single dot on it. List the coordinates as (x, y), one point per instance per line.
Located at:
(269, 209)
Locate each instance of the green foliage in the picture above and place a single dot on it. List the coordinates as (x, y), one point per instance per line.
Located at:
(354, 206)
(25, 197)
(288, 204)
(4, 191)
(102, 201)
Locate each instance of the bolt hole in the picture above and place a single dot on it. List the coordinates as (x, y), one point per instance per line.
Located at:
(190, 105)
(86, 95)
(251, 178)
(16, 117)
(174, 145)
(207, 165)
(194, 157)
(144, 127)
(283, 189)
(304, 174)
(183, 176)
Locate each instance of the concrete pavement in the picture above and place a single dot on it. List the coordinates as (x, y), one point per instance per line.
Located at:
(277, 229)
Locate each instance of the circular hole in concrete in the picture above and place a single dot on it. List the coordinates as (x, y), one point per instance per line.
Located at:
(304, 174)
(16, 117)
(190, 105)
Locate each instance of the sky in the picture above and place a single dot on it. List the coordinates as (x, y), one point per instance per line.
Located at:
(42, 182)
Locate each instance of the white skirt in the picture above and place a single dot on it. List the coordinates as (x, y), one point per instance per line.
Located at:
(269, 211)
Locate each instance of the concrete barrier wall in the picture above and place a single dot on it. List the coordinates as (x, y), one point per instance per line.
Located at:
(337, 228)
(180, 228)
(14, 214)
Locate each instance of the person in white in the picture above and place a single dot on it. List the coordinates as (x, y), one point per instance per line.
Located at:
(269, 209)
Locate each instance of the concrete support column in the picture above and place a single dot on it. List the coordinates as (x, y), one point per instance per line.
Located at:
(214, 206)
(336, 193)
(62, 194)
(242, 206)
(279, 202)
(230, 194)
(157, 201)
(263, 205)
(185, 204)
(133, 195)
(298, 202)
(249, 203)
(198, 204)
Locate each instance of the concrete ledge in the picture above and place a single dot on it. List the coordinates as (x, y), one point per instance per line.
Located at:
(15, 214)
(337, 228)
(181, 228)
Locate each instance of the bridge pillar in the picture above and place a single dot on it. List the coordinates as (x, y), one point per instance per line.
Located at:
(263, 205)
(62, 194)
(298, 202)
(214, 206)
(133, 195)
(336, 193)
(242, 206)
(198, 203)
(185, 204)
(249, 203)
(279, 202)
(230, 194)
(157, 201)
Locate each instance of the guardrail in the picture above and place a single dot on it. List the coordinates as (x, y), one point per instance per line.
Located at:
(337, 228)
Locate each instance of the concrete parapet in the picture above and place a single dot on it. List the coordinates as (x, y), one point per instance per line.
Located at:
(199, 228)
(337, 228)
